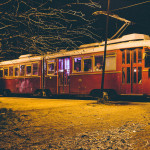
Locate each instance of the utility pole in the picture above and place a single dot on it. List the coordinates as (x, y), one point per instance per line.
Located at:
(105, 48)
(127, 22)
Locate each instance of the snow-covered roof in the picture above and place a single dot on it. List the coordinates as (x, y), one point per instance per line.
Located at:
(22, 59)
(129, 37)
(125, 42)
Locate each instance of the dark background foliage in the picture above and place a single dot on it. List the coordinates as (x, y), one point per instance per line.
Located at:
(41, 26)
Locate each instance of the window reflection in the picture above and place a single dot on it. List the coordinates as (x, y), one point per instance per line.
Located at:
(77, 64)
(22, 70)
(61, 64)
(50, 68)
(1, 72)
(28, 70)
(98, 63)
(35, 68)
(87, 64)
(5, 72)
(134, 74)
(10, 71)
(17, 71)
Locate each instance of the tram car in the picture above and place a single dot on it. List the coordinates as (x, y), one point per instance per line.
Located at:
(79, 72)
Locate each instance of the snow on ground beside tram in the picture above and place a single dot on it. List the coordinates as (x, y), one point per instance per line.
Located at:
(73, 124)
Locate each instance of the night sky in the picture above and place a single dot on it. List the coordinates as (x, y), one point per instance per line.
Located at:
(23, 30)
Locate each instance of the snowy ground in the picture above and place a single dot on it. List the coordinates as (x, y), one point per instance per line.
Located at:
(34, 123)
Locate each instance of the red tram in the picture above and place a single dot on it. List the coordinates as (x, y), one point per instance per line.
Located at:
(79, 72)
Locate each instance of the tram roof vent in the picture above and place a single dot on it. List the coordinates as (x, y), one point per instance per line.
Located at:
(135, 36)
(89, 45)
(27, 55)
(129, 37)
(62, 51)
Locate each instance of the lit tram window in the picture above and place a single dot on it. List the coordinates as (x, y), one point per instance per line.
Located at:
(134, 74)
(5, 72)
(77, 64)
(61, 65)
(123, 75)
(50, 68)
(98, 63)
(88, 63)
(22, 70)
(67, 64)
(1, 72)
(139, 75)
(10, 71)
(35, 68)
(16, 71)
(28, 70)
(139, 56)
(110, 63)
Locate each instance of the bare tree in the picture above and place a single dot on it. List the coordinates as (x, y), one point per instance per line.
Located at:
(44, 26)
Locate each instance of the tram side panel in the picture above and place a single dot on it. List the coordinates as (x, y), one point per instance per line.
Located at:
(85, 84)
(51, 84)
(23, 84)
(50, 76)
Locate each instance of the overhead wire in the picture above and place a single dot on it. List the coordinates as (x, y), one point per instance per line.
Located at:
(123, 28)
(130, 6)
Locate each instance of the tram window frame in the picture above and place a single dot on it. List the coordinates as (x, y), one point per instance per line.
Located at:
(139, 75)
(134, 56)
(139, 56)
(51, 71)
(6, 69)
(134, 74)
(30, 73)
(77, 67)
(123, 57)
(147, 58)
(148, 73)
(128, 56)
(16, 69)
(98, 65)
(21, 70)
(128, 75)
(87, 68)
(1, 72)
(111, 60)
(35, 69)
(60, 65)
(123, 75)
(11, 71)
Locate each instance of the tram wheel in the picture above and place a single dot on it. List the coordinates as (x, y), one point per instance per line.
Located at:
(6, 93)
(38, 93)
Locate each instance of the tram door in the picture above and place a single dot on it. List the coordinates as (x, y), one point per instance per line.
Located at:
(132, 72)
(63, 75)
